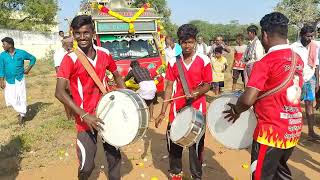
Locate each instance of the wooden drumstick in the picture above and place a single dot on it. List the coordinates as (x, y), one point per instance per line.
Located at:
(179, 97)
(105, 106)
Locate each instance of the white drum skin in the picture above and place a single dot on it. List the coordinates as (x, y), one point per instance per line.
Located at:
(236, 135)
(126, 117)
(188, 127)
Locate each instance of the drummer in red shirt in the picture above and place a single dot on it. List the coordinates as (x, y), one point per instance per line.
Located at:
(86, 95)
(279, 114)
(198, 72)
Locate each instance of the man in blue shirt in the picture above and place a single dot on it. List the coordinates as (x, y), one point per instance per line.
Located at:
(12, 73)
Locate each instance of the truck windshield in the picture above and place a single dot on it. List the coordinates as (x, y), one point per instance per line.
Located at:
(132, 49)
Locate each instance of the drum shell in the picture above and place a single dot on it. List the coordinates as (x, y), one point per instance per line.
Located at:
(195, 130)
(143, 113)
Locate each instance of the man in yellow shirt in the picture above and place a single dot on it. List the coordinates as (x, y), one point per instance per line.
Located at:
(219, 66)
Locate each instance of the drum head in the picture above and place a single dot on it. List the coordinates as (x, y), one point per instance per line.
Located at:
(121, 118)
(236, 135)
(181, 124)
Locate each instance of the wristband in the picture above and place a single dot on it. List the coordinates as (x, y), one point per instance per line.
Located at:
(83, 116)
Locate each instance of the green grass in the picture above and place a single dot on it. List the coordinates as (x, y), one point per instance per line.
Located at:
(46, 132)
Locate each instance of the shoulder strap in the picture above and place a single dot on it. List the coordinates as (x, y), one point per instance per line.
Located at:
(286, 81)
(84, 61)
(182, 76)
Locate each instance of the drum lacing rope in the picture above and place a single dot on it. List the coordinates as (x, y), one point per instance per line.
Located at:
(284, 83)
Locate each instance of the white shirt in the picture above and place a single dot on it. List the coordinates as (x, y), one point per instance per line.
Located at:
(240, 49)
(208, 49)
(279, 47)
(58, 56)
(170, 54)
(258, 51)
(202, 48)
(308, 71)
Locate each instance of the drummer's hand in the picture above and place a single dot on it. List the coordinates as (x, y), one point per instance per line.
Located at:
(159, 120)
(2, 84)
(93, 122)
(231, 116)
(192, 95)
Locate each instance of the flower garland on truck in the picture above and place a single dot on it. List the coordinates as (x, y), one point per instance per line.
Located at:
(161, 38)
(105, 10)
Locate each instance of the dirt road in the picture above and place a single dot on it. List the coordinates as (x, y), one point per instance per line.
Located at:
(148, 158)
(49, 153)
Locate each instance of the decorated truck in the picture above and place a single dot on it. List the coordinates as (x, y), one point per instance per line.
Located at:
(130, 34)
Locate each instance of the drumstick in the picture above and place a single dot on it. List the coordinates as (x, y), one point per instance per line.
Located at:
(105, 106)
(179, 97)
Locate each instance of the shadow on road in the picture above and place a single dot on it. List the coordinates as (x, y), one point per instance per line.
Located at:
(10, 158)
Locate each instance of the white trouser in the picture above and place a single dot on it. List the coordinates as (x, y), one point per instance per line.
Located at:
(15, 96)
(147, 89)
(247, 72)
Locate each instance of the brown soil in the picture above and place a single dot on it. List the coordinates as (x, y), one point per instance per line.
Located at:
(52, 154)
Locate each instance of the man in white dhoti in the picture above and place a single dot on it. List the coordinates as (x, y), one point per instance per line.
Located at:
(147, 86)
(12, 78)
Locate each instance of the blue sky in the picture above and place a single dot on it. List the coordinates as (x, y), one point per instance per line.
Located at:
(182, 11)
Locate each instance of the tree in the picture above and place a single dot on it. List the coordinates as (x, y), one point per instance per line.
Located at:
(228, 31)
(300, 11)
(38, 15)
(85, 6)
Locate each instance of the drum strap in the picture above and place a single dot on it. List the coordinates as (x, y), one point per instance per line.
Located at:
(286, 81)
(84, 61)
(183, 78)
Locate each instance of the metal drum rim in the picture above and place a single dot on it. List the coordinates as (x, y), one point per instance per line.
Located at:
(228, 94)
(190, 130)
(127, 92)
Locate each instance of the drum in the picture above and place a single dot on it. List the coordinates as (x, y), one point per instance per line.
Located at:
(125, 115)
(236, 135)
(188, 127)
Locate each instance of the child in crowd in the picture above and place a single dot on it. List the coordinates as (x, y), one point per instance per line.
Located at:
(219, 67)
(238, 65)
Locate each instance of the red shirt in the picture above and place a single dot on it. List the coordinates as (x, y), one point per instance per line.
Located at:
(85, 92)
(198, 72)
(279, 115)
(238, 56)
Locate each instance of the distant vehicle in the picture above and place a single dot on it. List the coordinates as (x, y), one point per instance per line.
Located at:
(113, 34)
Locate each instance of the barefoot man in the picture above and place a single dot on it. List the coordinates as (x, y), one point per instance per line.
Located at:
(307, 48)
(12, 76)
